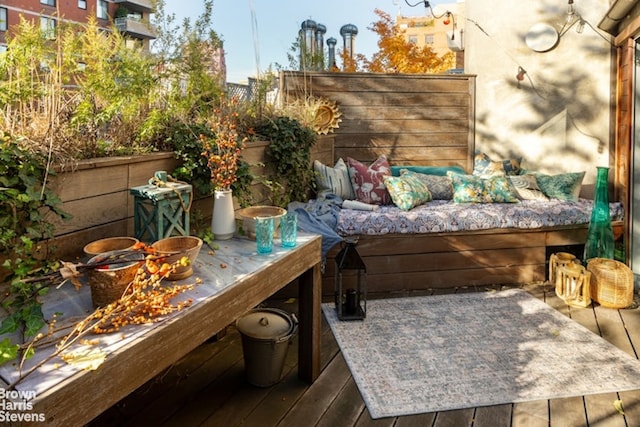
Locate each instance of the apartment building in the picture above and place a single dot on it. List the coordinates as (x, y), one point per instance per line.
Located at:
(131, 17)
(441, 28)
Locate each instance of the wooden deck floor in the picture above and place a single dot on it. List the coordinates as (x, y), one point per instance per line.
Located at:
(208, 388)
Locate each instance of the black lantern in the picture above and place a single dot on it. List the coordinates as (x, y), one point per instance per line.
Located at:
(351, 301)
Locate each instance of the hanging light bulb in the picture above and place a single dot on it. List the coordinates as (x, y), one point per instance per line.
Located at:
(571, 10)
(580, 26)
(447, 20)
(521, 73)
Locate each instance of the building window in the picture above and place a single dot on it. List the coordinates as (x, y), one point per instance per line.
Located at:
(48, 27)
(48, 2)
(413, 39)
(3, 19)
(103, 9)
(82, 4)
(429, 39)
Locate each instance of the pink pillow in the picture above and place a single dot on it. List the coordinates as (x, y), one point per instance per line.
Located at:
(368, 181)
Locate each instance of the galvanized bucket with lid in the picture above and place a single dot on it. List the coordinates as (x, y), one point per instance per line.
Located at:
(266, 334)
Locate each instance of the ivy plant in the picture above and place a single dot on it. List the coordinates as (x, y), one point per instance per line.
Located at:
(25, 206)
(290, 150)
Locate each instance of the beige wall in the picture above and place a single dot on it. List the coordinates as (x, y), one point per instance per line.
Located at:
(558, 119)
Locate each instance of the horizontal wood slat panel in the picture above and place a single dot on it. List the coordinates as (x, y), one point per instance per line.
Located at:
(453, 242)
(390, 108)
(399, 282)
(295, 81)
(449, 260)
(399, 156)
(412, 98)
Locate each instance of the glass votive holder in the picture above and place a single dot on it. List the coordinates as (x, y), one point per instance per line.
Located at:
(264, 234)
(289, 230)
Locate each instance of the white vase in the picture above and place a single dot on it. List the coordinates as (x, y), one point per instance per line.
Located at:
(223, 222)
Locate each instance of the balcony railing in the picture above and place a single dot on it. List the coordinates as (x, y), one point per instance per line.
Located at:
(137, 5)
(134, 28)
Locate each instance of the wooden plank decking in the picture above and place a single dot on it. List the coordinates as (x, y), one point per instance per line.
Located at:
(208, 388)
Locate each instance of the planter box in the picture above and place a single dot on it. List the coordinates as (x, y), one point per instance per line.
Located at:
(97, 194)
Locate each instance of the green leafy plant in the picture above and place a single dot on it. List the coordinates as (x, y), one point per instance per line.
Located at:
(290, 148)
(25, 223)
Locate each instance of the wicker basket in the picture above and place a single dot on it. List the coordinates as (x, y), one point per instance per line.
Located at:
(611, 283)
(108, 282)
(175, 248)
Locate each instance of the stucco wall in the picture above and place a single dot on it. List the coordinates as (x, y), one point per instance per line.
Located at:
(558, 117)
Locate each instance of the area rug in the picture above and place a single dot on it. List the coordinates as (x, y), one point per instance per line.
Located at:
(436, 353)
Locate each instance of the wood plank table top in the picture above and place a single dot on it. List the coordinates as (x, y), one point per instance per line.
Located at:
(234, 279)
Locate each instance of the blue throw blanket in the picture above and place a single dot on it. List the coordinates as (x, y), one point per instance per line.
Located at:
(320, 216)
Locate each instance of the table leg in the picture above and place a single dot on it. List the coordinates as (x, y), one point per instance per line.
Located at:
(310, 327)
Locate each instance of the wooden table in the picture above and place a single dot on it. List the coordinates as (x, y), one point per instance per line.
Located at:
(234, 280)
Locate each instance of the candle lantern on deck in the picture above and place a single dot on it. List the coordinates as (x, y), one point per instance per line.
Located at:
(350, 283)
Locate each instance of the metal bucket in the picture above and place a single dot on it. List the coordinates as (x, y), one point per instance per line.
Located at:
(266, 335)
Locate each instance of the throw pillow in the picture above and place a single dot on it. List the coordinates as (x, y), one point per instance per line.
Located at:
(484, 166)
(427, 170)
(407, 191)
(368, 181)
(476, 189)
(439, 186)
(565, 186)
(334, 179)
(526, 187)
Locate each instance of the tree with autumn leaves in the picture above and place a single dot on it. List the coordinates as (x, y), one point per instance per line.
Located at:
(396, 54)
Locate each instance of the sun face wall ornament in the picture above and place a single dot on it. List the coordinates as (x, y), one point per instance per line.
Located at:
(327, 117)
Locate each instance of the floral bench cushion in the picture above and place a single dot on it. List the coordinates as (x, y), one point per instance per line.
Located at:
(441, 216)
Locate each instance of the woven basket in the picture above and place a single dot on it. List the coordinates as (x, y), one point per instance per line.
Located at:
(611, 283)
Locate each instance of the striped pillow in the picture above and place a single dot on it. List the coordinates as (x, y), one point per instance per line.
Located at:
(334, 179)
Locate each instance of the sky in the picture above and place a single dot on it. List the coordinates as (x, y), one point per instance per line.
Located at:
(252, 45)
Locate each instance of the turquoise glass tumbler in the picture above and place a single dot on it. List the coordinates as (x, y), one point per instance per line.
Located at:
(264, 234)
(289, 230)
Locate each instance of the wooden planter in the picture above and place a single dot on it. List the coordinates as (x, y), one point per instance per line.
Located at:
(97, 194)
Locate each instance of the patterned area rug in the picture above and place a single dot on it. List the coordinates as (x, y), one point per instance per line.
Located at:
(436, 353)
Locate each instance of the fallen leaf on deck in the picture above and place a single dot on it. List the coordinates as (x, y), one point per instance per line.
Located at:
(618, 405)
(88, 359)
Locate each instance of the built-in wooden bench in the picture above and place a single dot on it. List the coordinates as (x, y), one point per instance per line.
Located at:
(471, 258)
(425, 120)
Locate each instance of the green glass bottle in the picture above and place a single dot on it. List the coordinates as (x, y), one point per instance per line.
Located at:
(600, 236)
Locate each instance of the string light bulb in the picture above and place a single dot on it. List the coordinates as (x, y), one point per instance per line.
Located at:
(520, 75)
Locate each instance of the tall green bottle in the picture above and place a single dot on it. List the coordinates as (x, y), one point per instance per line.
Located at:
(600, 237)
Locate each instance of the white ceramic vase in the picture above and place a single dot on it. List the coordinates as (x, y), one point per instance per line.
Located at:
(223, 222)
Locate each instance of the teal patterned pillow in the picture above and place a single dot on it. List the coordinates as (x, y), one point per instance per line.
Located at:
(476, 189)
(407, 191)
(565, 186)
(427, 170)
(439, 186)
(484, 166)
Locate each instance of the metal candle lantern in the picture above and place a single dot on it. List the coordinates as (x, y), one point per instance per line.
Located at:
(351, 303)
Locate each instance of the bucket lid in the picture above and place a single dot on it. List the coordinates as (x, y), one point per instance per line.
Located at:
(267, 323)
